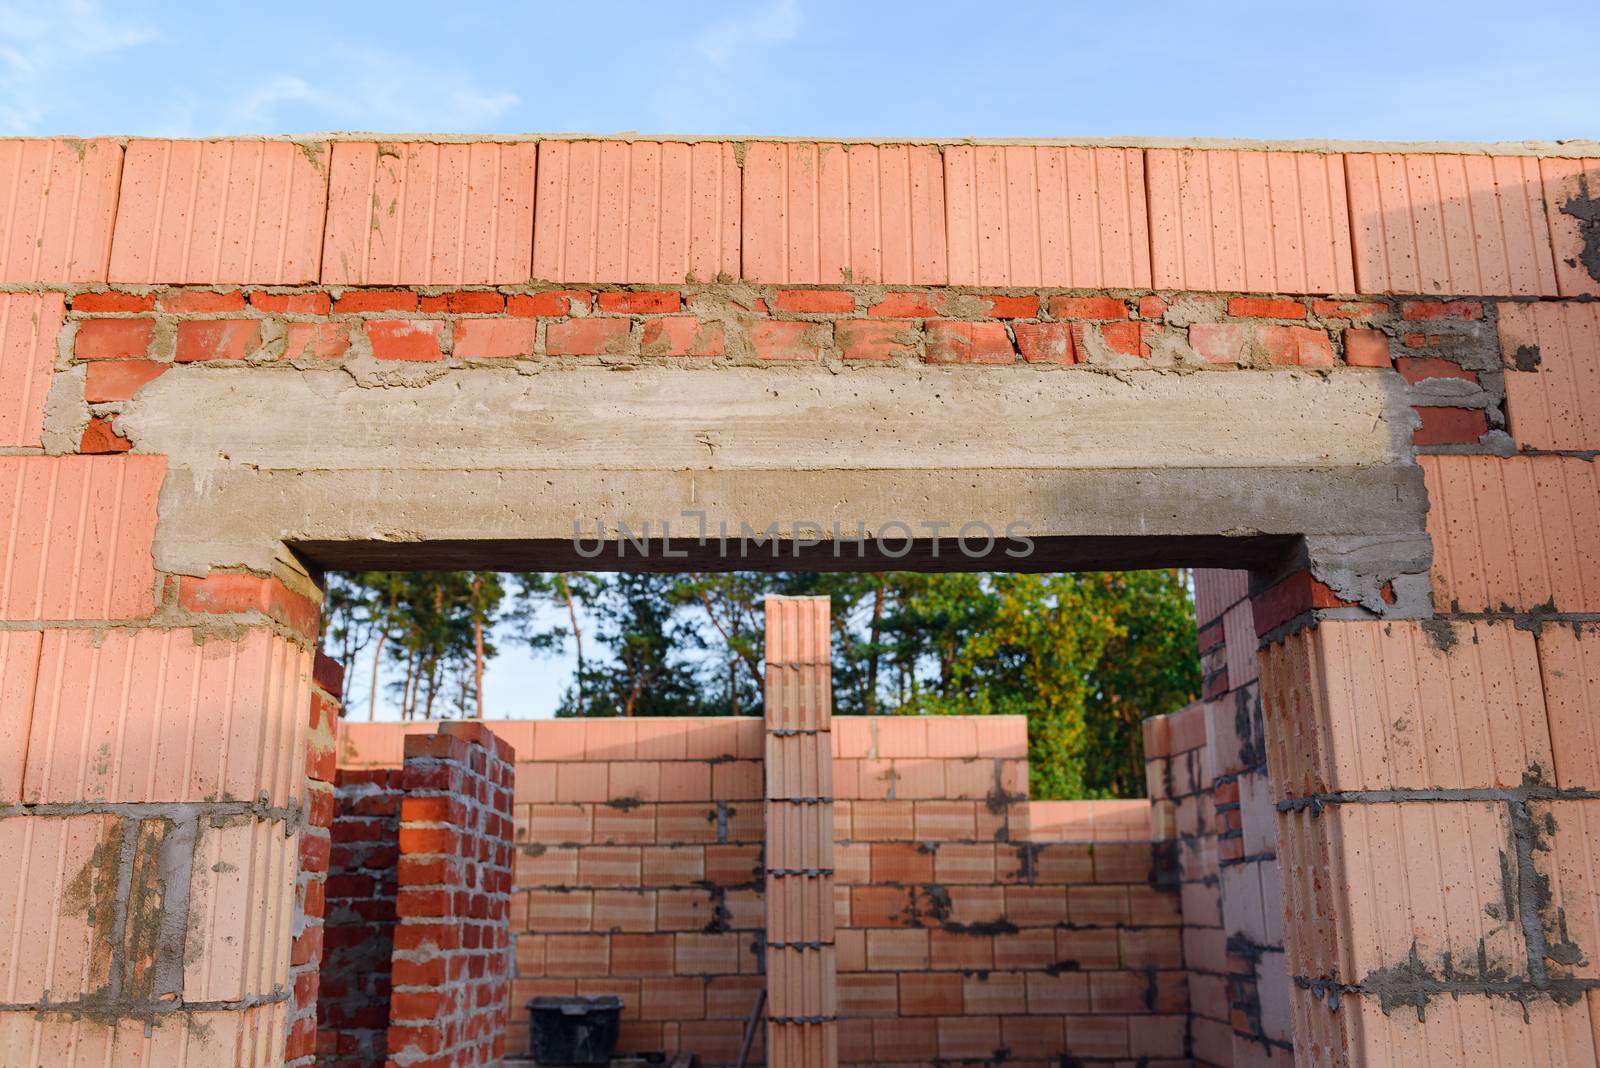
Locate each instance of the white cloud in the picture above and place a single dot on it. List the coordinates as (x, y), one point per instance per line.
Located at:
(371, 91)
(42, 44)
(722, 82)
(729, 39)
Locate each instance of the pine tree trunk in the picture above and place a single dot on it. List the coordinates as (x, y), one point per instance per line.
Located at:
(577, 635)
(372, 698)
(872, 663)
(477, 638)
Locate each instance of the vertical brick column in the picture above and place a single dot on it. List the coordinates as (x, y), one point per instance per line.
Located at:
(305, 956)
(451, 965)
(802, 1031)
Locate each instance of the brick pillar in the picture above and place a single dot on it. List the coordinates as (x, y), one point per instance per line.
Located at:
(451, 966)
(802, 1031)
(152, 781)
(305, 957)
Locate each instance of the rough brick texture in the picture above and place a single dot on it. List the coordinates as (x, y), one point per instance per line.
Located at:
(310, 898)
(359, 918)
(450, 970)
(1455, 283)
(1207, 778)
(639, 873)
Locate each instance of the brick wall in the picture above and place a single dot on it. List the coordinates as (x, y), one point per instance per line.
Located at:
(358, 933)
(954, 891)
(974, 924)
(1406, 755)
(109, 289)
(452, 940)
(305, 955)
(637, 870)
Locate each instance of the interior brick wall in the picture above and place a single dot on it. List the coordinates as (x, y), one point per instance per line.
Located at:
(637, 871)
(358, 929)
(988, 921)
(987, 925)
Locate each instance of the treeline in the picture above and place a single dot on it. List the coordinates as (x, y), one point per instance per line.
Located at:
(1085, 657)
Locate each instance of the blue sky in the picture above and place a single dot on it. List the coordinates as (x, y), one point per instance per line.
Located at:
(1465, 70)
(1462, 70)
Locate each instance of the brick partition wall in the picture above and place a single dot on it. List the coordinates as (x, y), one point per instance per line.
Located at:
(955, 892)
(802, 1006)
(358, 932)
(450, 969)
(1178, 766)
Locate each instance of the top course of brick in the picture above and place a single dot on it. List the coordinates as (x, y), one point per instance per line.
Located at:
(1511, 220)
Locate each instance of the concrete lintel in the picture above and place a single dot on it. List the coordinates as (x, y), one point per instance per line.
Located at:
(506, 466)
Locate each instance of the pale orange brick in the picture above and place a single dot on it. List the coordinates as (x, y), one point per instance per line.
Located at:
(953, 342)
(623, 824)
(682, 335)
(1097, 906)
(897, 950)
(609, 866)
(882, 821)
(961, 950)
(560, 910)
(968, 1037)
(673, 865)
(865, 339)
(577, 954)
(674, 998)
(590, 337)
(737, 780)
(869, 994)
(557, 824)
(316, 341)
(900, 862)
(576, 783)
(930, 994)
(683, 910)
(1036, 906)
(478, 339)
(624, 910)
(707, 954)
(946, 820)
(537, 865)
(958, 862)
(994, 993)
(1055, 995)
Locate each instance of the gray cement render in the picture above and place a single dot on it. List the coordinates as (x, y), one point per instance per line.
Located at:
(264, 456)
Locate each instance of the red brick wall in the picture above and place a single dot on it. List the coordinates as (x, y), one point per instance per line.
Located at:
(353, 1005)
(305, 956)
(125, 339)
(452, 941)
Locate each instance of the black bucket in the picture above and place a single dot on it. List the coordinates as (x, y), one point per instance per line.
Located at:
(574, 1030)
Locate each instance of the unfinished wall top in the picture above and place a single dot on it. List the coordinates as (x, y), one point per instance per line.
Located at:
(341, 210)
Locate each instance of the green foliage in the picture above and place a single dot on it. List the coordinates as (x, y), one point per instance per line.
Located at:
(1085, 657)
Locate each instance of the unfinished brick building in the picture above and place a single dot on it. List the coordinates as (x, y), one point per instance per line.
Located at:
(1357, 386)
